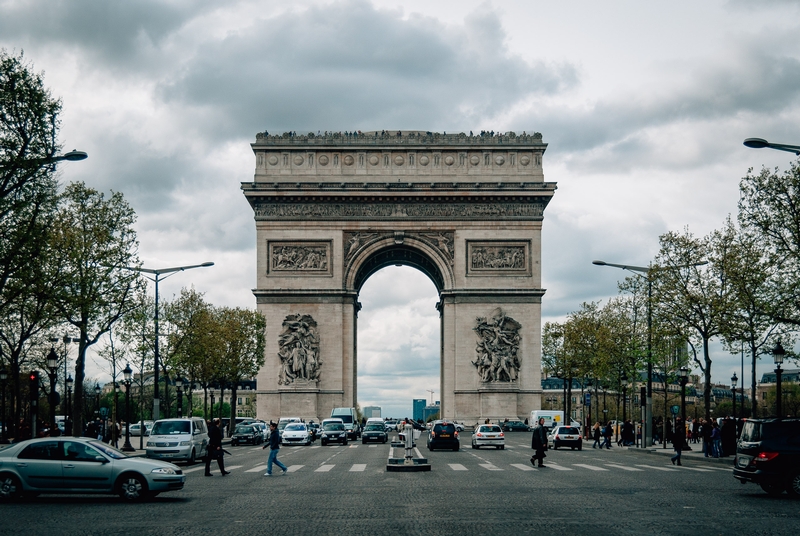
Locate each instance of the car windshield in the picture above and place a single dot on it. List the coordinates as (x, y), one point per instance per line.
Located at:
(567, 430)
(374, 427)
(171, 427)
(295, 428)
(108, 450)
(490, 429)
(333, 427)
(244, 429)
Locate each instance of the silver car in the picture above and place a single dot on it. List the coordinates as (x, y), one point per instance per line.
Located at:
(488, 435)
(82, 465)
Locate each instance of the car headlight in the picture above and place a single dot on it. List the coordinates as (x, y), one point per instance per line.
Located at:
(151, 444)
(164, 471)
(185, 443)
(324, 434)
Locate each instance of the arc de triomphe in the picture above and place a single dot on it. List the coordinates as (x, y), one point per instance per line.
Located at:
(467, 211)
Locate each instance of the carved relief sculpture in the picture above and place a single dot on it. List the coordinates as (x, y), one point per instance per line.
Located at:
(497, 358)
(498, 258)
(299, 350)
(299, 257)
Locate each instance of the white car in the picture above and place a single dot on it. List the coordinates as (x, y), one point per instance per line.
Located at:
(488, 435)
(296, 433)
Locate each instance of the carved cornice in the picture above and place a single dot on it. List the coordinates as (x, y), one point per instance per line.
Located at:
(396, 138)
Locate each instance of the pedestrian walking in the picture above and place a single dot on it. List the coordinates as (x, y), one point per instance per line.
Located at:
(716, 439)
(706, 431)
(539, 443)
(596, 435)
(608, 431)
(678, 441)
(214, 451)
(274, 446)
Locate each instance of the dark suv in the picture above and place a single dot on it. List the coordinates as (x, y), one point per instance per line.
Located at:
(443, 435)
(768, 454)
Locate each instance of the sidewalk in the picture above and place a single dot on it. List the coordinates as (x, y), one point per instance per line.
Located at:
(695, 454)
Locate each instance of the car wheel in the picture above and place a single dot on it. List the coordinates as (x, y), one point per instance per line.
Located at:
(344, 442)
(132, 488)
(794, 485)
(555, 446)
(502, 447)
(474, 446)
(10, 487)
(580, 447)
(324, 443)
(192, 458)
(456, 449)
(773, 489)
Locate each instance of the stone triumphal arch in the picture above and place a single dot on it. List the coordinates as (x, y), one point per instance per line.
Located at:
(467, 211)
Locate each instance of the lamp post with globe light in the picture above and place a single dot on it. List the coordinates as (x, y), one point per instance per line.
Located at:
(52, 364)
(778, 353)
(684, 372)
(734, 381)
(68, 420)
(3, 378)
(127, 373)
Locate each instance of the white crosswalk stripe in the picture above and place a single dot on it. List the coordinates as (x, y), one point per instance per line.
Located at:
(193, 469)
(324, 468)
(457, 467)
(590, 467)
(697, 469)
(558, 467)
(293, 468)
(656, 468)
(523, 467)
(623, 467)
(490, 466)
(358, 467)
(257, 469)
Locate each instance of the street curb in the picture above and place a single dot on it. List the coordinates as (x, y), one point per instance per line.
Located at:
(685, 456)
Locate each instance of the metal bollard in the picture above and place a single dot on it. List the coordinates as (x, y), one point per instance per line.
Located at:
(409, 431)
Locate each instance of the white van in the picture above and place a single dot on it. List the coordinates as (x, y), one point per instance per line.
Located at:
(178, 439)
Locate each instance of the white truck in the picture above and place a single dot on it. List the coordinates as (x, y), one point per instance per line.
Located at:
(551, 419)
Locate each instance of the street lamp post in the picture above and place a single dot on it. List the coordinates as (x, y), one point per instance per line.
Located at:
(68, 420)
(97, 400)
(157, 273)
(684, 380)
(734, 381)
(638, 270)
(778, 354)
(3, 378)
(52, 364)
(760, 143)
(179, 394)
(187, 386)
(127, 374)
(624, 382)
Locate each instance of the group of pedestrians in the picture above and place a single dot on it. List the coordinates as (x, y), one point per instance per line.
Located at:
(216, 452)
(604, 432)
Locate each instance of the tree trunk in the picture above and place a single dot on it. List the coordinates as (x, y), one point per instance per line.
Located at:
(753, 400)
(232, 425)
(707, 377)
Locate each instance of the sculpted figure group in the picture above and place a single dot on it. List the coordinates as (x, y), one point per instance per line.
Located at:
(299, 350)
(498, 347)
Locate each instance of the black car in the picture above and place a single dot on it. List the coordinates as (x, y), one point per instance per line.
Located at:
(515, 426)
(768, 454)
(443, 435)
(374, 431)
(333, 432)
(246, 434)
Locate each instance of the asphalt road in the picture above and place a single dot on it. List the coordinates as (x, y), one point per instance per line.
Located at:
(346, 490)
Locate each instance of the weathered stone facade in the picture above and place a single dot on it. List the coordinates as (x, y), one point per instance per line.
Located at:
(465, 210)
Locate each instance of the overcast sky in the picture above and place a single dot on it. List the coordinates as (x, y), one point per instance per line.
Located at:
(644, 106)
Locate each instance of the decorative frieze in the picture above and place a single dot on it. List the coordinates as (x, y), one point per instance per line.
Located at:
(299, 257)
(497, 351)
(498, 257)
(397, 211)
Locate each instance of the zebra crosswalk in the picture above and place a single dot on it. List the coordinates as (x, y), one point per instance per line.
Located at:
(494, 467)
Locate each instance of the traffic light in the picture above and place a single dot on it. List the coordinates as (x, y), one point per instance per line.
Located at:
(33, 386)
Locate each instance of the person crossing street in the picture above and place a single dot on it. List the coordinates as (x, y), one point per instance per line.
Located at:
(539, 443)
(274, 446)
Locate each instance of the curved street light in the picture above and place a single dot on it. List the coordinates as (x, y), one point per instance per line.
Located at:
(761, 143)
(644, 271)
(157, 273)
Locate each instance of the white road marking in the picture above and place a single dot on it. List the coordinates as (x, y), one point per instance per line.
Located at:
(193, 469)
(293, 468)
(623, 467)
(490, 466)
(656, 468)
(591, 467)
(324, 468)
(558, 467)
(358, 467)
(257, 468)
(523, 467)
(457, 467)
(696, 469)
(418, 453)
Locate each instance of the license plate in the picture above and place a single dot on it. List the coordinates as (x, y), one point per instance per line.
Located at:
(444, 435)
(743, 461)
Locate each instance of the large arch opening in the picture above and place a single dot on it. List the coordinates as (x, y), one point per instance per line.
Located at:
(398, 340)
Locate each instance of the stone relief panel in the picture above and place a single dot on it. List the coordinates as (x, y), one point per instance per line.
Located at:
(299, 350)
(299, 257)
(498, 257)
(443, 241)
(353, 242)
(497, 351)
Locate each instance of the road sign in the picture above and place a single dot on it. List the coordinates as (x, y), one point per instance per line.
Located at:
(675, 409)
(587, 399)
(104, 411)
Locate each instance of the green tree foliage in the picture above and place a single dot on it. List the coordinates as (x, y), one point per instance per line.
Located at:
(95, 240)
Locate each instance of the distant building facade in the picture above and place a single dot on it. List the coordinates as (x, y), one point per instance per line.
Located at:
(419, 409)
